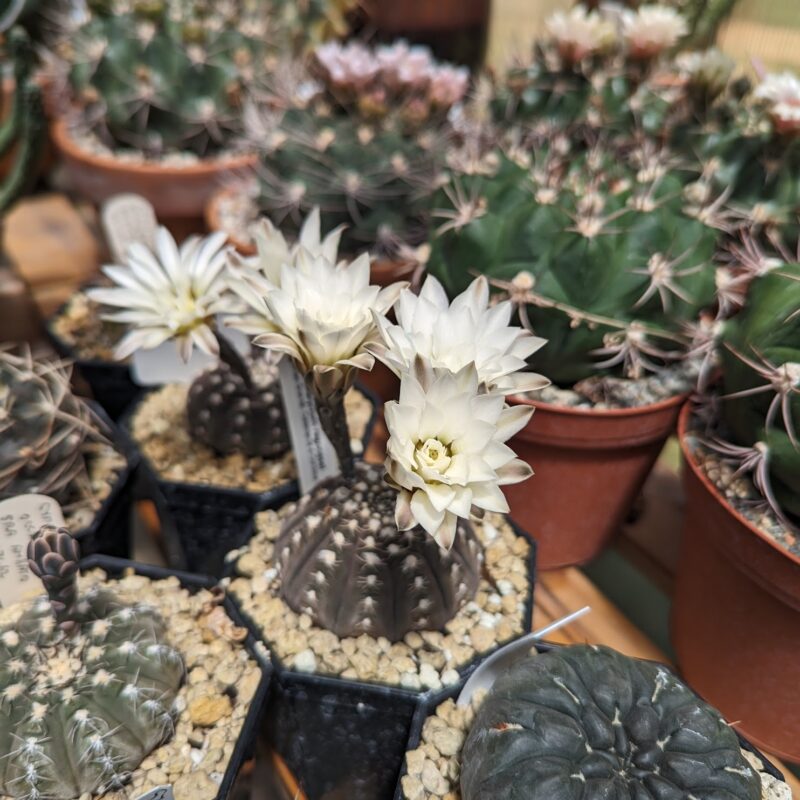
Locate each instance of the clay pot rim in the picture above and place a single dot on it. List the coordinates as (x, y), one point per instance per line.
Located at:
(708, 485)
(66, 145)
(612, 413)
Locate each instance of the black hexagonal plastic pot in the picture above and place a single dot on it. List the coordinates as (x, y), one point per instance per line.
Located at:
(426, 709)
(244, 746)
(202, 523)
(343, 738)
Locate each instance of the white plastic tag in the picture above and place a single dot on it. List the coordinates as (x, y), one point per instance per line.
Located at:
(314, 454)
(20, 518)
(163, 364)
(159, 793)
(128, 218)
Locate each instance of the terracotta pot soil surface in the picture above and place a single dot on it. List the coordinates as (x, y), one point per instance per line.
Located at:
(212, 704)
(432, 768)
(589, 466)
(736, 614)
(176, 191)
(423, 661)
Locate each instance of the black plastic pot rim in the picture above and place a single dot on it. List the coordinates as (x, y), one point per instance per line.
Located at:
(247, 736)
(285, 674)
(269, 498)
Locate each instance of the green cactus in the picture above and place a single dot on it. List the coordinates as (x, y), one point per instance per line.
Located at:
(760, 403)
(24, 127)
(44, 429)
(167, 75)
(364, 149)
(345, 564)
(603, 252)
(86, 684)
(588, 722)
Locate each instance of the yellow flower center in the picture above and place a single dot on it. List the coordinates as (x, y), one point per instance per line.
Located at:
(432, 454)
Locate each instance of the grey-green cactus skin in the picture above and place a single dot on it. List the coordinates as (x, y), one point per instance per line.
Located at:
(343, 562)
(760, 354)
(232, 413)
(588, 723)
(43, 428)
(24, 126)
(618, 254)
(81, 704)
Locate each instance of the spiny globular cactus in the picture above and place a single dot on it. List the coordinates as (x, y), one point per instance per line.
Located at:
(86, 684)
(44, 429)
(760, 402)
(588, 722)
(24, 125)
(344, 563)
(162, 76)
(362, 144)
(602, 252)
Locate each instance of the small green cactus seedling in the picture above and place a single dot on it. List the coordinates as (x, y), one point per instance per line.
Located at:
(23, 127)
(44, 429)
(86, 684)
(602, 252)
(360, 138)
(759, 406)
(166, 76)
(588, 722)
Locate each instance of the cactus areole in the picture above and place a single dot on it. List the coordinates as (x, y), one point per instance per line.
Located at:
(87, 684)
(588, 723)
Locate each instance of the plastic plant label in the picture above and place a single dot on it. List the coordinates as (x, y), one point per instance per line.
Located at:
(128, 218)
(159, 793)
(314, 454)
(20, 518)
(163, 364)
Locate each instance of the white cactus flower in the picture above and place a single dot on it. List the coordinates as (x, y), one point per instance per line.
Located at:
(321, 315)
(579, 33)
(168, 293)
(251, 279)
(782, 92)
(446, 453)
(651, 29)
(452, 335)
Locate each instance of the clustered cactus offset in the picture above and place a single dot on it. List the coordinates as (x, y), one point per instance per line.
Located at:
(45, 430)
(359, 137)
(86, 684)
(588, 722)
(166, 76)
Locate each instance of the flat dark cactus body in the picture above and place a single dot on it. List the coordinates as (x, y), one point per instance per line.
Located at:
(231, 417)
(344, 562)
(588, 723)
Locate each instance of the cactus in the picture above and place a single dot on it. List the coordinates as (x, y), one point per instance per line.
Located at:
(589, 722)
(168, 75)
(601, 251)
(345, 564)
(86, 684)
(760, 395)
(364, 148)
(44, 429)
(24, 125)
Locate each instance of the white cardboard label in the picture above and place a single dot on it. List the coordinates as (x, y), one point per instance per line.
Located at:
(163, 364)
(159, 793)
(20, 518)
(314, 454)
(128, 218)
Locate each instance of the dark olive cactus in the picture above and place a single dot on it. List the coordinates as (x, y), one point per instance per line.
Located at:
(87, 684)
(344, 563)
(234, 412)
(588, 723)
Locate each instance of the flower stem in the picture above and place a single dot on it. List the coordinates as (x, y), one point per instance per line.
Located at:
(230, 356)
(333, 418)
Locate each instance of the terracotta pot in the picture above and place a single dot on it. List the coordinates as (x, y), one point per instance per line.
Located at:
(736, 615)
(590, 466)
(394, 16)
(176, 192)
